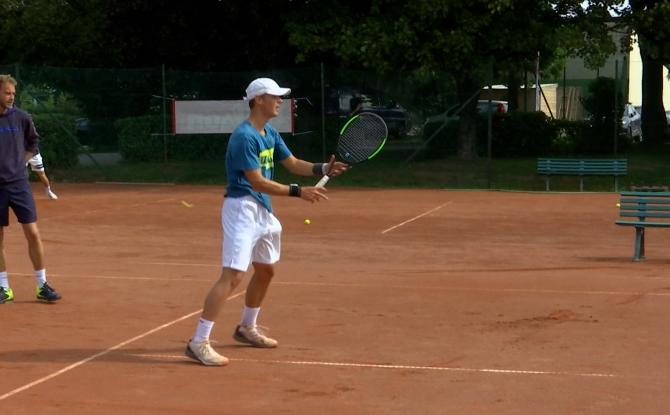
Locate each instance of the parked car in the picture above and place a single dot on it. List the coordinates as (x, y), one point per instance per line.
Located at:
(345, 100)
(499, 107)
(452, 113)
(631, 122)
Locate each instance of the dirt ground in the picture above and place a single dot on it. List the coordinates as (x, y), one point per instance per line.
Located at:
(389, 302)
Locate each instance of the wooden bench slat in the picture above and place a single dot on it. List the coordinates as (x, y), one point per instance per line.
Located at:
(644, 215)
(646, 194)
(645, 208)
(644, 202)
(638, 223)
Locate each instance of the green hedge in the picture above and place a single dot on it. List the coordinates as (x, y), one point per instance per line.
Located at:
(139, 140)
(525, 134)
(58, 142)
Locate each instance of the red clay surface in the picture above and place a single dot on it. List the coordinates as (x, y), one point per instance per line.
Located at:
(485, 303)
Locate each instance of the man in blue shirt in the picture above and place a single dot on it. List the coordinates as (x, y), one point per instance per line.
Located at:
(18, 143)
(251, 233)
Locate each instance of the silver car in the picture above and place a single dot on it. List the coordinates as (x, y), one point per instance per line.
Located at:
(631, 122)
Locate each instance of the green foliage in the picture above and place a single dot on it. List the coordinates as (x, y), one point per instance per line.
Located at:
(604, 116)
(520, 134)
(139, 140)
(524, 134)
(58, 144)
(571, 137)
(649, 19)
(197, 147)
(37, 99)
(136, 142)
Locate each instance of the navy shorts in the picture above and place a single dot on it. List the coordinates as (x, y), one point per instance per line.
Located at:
(18, 196)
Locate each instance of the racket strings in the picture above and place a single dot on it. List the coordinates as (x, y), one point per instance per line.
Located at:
(362, 138)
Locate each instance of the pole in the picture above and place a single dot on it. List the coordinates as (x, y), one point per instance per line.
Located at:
(565, 109)
(164, 99)
(17, 76)
(525, 90)
(489, 133)
(537, 82)
(323, 114)
(616, 104)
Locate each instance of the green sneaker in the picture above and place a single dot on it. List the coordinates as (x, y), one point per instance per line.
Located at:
(46, 293)
(6, 295)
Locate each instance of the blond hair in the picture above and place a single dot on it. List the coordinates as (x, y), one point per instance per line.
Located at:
(7, 78)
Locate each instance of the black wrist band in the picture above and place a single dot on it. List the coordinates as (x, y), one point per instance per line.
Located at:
(317, 169)
(294, 190)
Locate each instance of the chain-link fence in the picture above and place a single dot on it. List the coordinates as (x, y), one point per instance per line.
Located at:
(486, 136)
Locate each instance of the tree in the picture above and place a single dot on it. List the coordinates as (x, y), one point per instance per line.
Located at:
(229, 35)
(460, 37)
(649, 19)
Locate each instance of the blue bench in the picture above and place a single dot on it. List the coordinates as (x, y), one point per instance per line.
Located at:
(652, 210)
(582, 167)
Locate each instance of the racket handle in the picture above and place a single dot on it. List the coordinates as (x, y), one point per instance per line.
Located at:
(323, 181)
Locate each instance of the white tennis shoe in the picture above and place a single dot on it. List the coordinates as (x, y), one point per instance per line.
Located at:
(51, 194)
(205, 354)
(253, 336)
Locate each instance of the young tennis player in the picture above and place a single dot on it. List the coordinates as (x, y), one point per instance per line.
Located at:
(251, 232)
(37, 165)
(18, 143)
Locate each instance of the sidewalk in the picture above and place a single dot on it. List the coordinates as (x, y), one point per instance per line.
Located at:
(100, 158)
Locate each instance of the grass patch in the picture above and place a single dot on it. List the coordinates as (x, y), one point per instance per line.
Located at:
(390, 171)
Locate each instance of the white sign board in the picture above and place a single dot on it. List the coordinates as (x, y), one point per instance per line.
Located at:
(221, 117)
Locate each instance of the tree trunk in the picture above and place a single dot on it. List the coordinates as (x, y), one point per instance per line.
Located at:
(467, 131)
(513, 86)
(654, 122)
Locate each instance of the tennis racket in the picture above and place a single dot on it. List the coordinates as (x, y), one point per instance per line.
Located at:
(361, 138)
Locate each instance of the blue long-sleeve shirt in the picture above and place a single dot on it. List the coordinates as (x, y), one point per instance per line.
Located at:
(17, 135)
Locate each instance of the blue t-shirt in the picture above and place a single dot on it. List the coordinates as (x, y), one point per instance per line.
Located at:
(249, 150)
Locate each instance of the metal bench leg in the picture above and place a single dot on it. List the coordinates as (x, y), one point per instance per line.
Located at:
(639, 244)
(581, 184)
(546, 183)
(616, 184)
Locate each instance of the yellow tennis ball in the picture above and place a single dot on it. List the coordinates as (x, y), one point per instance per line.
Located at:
(307, 221)
(618, 205)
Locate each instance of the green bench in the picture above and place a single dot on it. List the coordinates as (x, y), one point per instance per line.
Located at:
(582, 167)
(652, 210)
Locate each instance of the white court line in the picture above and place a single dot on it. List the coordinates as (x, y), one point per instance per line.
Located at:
(177, 264)
(415, 218)
(104, 352)
(117, 277)
(403, 367)
(136, 183)
(350, 285)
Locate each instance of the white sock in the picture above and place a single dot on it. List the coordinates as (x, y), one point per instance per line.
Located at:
(249, 316)
(203, 330)
(4, 283)
(40, 277)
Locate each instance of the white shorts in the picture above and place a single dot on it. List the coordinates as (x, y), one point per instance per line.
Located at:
(250, 233)
(36, 163)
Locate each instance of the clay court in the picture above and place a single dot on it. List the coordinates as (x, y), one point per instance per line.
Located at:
(390, 302)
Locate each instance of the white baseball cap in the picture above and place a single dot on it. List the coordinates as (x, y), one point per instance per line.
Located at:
(262, 86)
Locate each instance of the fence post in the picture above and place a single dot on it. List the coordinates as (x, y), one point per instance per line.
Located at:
(616, 104)
(323, 114)
(164, 95)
